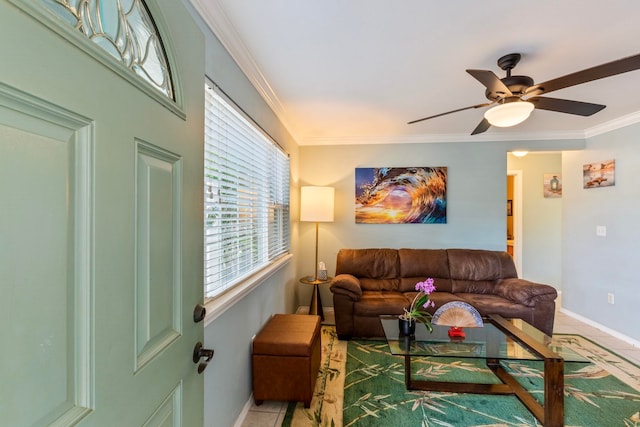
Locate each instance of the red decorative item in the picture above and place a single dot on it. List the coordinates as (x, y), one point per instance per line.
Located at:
(456, 332)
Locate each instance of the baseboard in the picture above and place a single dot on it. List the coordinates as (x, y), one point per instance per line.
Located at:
(603, 328)
(329, 314)
(304, 309)
(243, 414)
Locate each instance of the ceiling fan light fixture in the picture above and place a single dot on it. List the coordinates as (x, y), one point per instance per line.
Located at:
(509, 113)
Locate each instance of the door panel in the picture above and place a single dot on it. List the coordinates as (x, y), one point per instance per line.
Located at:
(158, 263)
(168, 414)
(46, 169)
(100, 232)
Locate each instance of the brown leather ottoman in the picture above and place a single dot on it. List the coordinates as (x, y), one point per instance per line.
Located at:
(286, 358)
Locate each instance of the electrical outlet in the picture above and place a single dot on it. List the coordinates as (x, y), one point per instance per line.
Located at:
(611, 298)
(601, 230)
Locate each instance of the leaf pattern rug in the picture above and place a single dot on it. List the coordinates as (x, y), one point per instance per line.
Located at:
(361, 384)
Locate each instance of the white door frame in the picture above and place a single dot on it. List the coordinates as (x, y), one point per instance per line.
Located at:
(517, 218)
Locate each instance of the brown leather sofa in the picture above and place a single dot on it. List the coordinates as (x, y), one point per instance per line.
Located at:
(371, 282)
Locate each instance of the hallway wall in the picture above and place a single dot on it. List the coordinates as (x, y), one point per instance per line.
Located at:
(542, 218)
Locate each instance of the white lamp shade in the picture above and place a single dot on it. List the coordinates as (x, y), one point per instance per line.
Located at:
(509, 113)
(316, 204)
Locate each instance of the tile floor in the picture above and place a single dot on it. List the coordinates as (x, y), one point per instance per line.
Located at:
(271, 414)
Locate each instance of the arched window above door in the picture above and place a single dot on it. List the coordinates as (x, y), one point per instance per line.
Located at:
(125, 30)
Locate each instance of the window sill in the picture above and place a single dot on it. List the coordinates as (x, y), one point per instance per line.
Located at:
(217, 306)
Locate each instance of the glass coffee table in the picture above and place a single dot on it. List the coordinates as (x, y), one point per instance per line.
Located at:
(499, 339)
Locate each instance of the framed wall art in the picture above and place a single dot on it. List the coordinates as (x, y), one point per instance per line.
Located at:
(552, 185)
(599, 174)
(406, 195)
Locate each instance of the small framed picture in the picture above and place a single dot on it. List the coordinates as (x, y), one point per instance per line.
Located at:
(552, 185)
(599, 174)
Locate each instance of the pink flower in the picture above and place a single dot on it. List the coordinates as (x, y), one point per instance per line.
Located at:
(427, 286)
(429, 303)
(420, 302)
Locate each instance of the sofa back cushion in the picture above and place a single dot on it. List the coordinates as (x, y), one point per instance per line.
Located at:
(377, 269)
(418, 264)
(477, 271)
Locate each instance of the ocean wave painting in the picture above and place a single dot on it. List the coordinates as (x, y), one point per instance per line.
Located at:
(408, 195)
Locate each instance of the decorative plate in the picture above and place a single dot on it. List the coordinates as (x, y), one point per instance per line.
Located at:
(459, 314)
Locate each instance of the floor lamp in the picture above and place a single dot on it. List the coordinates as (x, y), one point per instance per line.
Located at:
(316, 205)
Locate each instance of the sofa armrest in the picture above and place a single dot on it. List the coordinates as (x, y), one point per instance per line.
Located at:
(346, 284)
(525, 292)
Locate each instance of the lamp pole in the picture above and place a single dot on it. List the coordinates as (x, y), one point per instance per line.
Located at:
(315, 275)
(316, 205)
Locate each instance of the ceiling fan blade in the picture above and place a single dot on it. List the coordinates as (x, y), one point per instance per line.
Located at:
(594, 73)
(483, 126)
(490, 81)
(449, 112)
(565, 106)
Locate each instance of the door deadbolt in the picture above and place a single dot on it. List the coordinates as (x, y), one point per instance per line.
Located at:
(199, 313)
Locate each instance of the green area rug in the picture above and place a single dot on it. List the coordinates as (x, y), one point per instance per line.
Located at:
(361, 384)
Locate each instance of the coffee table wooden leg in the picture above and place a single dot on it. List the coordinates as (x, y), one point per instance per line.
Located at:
(407, 373)
(521, 393)
(553, 392)
(552, 413)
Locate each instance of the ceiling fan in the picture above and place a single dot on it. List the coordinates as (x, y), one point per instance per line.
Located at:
(514, 97)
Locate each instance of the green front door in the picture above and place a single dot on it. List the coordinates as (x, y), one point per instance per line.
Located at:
(100, 228)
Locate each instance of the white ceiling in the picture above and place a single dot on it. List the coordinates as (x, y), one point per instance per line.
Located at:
(356, 71)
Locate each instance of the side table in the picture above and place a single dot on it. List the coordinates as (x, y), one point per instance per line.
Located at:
(315, 306)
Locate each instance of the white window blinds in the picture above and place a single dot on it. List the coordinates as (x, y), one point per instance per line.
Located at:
(246, 197)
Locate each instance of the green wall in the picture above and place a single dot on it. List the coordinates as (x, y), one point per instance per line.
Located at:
(228, 377)
(476, 197)
(476, 189)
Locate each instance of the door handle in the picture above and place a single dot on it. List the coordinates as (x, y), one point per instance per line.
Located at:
(198, 353)
(199, 313)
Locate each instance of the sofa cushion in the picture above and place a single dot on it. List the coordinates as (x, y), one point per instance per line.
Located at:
(377, 269)
(439, 299)
(346, 284)
(379, 284)
(474, 286)
(374, 303)
(493, 304)
(476, 265)
(418, 264)
(368, 263)
(525, 292)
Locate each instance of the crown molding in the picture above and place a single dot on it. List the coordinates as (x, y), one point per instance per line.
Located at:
(215, 17)
(440, 138)
(611, 125)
